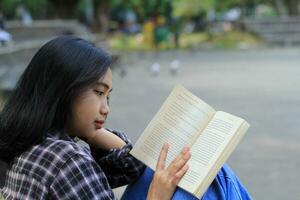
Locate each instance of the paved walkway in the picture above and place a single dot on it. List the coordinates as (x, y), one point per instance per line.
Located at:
(261, 86)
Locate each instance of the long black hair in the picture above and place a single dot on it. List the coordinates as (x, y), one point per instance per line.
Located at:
(41, 101)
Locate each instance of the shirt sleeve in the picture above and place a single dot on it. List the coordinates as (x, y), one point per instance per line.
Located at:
(80, 178)
(118, 165)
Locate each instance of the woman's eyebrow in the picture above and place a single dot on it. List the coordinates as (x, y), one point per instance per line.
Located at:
(104, 85)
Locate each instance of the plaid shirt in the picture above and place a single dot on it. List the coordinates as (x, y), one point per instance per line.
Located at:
(59, 168)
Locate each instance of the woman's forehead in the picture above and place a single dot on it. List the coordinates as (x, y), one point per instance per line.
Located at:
(106, 80)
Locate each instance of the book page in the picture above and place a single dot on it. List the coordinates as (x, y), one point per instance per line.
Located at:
(222, 159)
(209, 147)
(177, 122)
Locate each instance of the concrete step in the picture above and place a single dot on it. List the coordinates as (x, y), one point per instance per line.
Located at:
(283, 31)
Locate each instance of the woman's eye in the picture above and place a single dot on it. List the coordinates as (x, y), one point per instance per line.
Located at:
(99, 92)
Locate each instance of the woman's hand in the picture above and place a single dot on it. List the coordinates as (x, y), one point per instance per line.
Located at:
(165, 179)
(105, 139)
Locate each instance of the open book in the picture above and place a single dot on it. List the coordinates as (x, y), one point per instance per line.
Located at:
(185, 120)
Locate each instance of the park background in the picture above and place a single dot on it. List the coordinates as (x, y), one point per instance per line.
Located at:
(240, 56)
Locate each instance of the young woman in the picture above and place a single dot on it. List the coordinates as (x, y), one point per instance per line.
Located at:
(62, 95)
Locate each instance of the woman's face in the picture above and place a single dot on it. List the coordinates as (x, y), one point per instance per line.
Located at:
(90, 109)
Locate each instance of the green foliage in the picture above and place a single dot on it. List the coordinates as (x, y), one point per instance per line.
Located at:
(183, 8)
(190, 8)
(143, 9)
(168, 8)
(247, 4)
(36, 7)
(80, 8)
(227, 4)
(9, 6)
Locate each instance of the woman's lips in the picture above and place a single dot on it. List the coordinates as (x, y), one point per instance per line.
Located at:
(99, 124)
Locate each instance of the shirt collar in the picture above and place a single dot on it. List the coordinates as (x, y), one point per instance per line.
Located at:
(60, 135)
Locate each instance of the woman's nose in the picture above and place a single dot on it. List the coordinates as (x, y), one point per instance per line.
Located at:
(104, 109)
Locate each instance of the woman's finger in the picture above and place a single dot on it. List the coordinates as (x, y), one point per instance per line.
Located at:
(162, 157)
(180, 164)
(180, 173)
(179, 156)
(179, 161)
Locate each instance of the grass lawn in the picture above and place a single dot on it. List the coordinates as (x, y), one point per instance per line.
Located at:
(226, 40)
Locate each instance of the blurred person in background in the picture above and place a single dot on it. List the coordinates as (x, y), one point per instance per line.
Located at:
(148, 32)
(161, 32)
(23, 13)
(5, 37)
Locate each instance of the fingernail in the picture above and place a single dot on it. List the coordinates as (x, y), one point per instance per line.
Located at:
(187, 155)
(185, 149)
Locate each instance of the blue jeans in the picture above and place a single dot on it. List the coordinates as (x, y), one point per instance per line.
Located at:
(225, 186)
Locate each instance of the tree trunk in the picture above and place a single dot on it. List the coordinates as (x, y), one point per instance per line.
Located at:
(293, 7)
(280, 8)
(102, 10)
(64, 9)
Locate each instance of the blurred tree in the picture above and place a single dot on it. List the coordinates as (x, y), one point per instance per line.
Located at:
(102, 10)
(8, 7)
(227, 4)
(85, 12)
(280, 7)
(37, 8)
(191, 8)
(143, 8)
(293, 7)
(65, 9)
